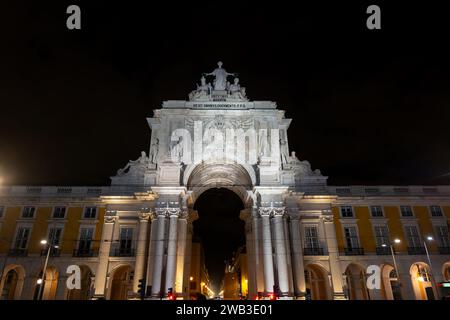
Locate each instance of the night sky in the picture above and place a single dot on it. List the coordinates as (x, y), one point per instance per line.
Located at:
(368, 107)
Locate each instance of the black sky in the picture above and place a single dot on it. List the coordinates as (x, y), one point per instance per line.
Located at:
(368, 107)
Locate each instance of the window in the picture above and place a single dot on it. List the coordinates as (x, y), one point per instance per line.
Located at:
(443, 237)
(381, 235)
(436, 211)
(406, 211)
(90, 212)
(54, 236)
(126, 240)
(351, 237)
(28, 212)
(346, 212)
(2, 210)
(59, 212)
(311, 238)
(22, 236)
(412, 234)
(85, 242)
(376, 211)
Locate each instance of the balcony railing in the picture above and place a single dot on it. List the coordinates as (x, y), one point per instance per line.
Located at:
(54, 252)
(354, 251)
(416, 250)
(84, 253)
(313, 251)
(444, 250)
(382, 251)
(123, 252)
(18, 252)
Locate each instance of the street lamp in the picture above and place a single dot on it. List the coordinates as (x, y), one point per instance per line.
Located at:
(40, 281)
(429, 238)
(433, 283)
(396, 241)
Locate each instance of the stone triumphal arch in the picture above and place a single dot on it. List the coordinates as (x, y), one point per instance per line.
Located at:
(219, 138)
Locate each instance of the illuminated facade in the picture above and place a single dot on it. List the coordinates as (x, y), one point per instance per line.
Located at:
(303, 237)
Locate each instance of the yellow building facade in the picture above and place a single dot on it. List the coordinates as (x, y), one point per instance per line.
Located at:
(365, 228)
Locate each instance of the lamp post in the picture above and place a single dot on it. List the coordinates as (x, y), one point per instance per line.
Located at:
(433, 282)
(393, 257)
(396, 241)
(41, 281)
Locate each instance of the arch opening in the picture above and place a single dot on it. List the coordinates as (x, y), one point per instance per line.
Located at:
(421, 281)
(219, 235)
(317, 283)
(356, 282)
(390, 284)
(120, 283)
(49, 283)
(85, 292)
(446, 271)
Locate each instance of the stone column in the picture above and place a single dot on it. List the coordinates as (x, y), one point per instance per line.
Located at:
(297, 255)
(172, 249)
(287, 242)
(187, 262)
(257, 250)
(252, 267)
(280, 250)
(246, 216)
(140, 249)
(333, 254)
(181, 254)
(159, 252)
(151, 249)
(267, 249)
(105, 248)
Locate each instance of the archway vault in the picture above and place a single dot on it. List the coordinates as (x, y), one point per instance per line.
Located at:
(235, 177)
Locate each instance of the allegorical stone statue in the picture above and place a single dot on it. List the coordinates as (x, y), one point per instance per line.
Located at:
(263, 143)
(235, 90)
(220, 74)
(135, 166)
(176, 151)
(302, 168)
(203, 90)
(154, 151)
(284, 153)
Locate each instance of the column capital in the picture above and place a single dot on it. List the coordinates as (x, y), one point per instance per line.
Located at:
(160, 212)
(110, 216)
(184, 213)
(265, 211)
(327, 215)
(144, 216)
(174, 212)
(279, 212)
(168, 209)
